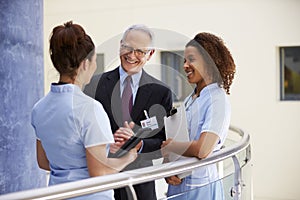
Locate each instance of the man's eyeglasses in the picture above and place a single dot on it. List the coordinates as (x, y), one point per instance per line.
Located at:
(137, 52)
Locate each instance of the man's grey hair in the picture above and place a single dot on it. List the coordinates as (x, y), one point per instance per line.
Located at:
(139, 27)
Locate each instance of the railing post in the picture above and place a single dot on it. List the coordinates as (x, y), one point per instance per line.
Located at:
(134, 197)
(130, 186)
(236, 190)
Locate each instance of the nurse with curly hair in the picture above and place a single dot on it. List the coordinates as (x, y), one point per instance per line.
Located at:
(209, 65)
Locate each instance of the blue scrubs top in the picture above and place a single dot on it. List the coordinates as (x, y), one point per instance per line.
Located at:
(67, 121)
(210, 112)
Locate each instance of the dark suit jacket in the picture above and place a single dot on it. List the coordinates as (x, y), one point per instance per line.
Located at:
(152, 96)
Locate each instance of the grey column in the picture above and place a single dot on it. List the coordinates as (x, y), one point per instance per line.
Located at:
(21, 85)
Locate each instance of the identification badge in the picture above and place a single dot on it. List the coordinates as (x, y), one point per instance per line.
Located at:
(150, 123)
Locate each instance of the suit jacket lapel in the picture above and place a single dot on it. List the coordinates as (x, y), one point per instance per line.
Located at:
(142, 97)
(113, 89)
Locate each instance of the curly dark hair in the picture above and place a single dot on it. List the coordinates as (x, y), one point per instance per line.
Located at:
(69, 46)
(220, 64)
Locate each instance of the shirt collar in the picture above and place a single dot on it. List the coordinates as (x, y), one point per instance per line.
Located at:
(135, 77)
(208, 88)
(65, 88)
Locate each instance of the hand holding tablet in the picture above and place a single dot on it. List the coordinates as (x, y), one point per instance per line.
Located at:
(131, 142)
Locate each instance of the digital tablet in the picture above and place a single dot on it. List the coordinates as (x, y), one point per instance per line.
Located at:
(131, 142)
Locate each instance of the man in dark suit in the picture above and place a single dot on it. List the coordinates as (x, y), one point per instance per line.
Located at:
(149, 96)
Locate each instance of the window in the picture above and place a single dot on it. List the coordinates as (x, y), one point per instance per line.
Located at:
(289, 73)
(173, 74)
(100, 63)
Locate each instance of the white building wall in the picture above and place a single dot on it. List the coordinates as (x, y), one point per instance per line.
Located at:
(252, 30)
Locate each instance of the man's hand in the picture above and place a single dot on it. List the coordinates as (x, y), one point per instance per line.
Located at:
(121, 136)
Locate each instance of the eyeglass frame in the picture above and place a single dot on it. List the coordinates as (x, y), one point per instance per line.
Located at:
(130, 49)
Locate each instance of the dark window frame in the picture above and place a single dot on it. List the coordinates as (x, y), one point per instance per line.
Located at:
(289, 59)
(173, 75)
(100, 63)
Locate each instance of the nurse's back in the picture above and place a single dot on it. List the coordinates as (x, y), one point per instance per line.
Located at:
(73, 129)
(59, 126)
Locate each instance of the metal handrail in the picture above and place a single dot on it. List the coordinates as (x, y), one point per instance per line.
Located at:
(122, 179)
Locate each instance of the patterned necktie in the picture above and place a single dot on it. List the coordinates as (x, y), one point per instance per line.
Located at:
(127, 100)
